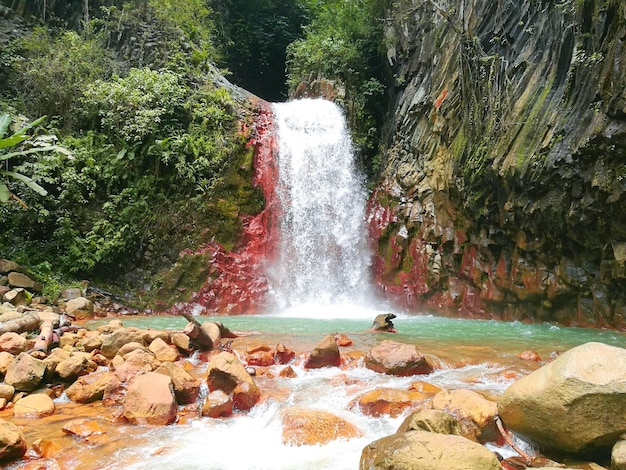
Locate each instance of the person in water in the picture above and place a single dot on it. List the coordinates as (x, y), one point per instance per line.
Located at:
(383, 323)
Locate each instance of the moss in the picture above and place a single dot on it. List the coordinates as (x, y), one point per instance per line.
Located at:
(179, 283)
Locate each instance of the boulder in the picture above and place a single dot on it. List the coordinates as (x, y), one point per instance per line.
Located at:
(5, 361)
(163, 351)
(383, 323)
(302, 426)
(226, 373)
(618, 456)
(17, 297)
(12, 443)
(325, 353)
(260, 358)
(574, 404)
(25, 373)
(36, 405)
(186, 387)
(437, 421)
(91, 341)
(79, 308)
(387, 401)
(217, 405)
(150, 400)
(92, 387)
(129, 347)
(422, 450)
(182, 342)
(118, 337)
(56, 356)
(6, 392)
(82, 427)
(137, 362)
(284, 355)
(7, 266)
(74, 366)
(393, 358)
(471, 406)
(16, 279)
(13, 343)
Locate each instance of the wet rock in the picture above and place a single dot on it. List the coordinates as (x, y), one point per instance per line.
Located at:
(82, 427)
(25, 373)
(12, 443)
(529, 355)
(436, 421)
(47, 463)
(13, 343)
(472, 406)
(186, 387)
(302, 426)
(217, 405)
(92, 387)
(150, 400)
(288, 372)
(393, 358)
(421, 450)
(284, 355)
(387, 401)
(36, 405)
(574, 404)
(182, 342)
(383, 323)
(342, 340)
(226, 373)
(424, 387)
(260, 358)
(325, 354)
(5, 361)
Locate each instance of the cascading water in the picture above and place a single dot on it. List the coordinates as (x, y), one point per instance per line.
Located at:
(323, 254)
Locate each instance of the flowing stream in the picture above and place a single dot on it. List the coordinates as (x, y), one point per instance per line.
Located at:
(320, 285)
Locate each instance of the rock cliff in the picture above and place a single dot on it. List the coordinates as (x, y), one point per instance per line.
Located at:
(504, 184)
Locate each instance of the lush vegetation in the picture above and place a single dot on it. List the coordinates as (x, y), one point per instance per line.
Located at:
(154, 157)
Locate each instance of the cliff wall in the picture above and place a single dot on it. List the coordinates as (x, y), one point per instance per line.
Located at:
(503, 192)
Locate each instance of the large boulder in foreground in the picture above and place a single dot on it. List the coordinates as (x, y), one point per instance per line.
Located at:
(325, 354)
(150, 400)
(393, 358)
(422, 450)
(575, 404)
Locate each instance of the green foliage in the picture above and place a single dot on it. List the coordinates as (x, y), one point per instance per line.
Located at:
(14, 147)
(136, 106)
(50, 73)
(342, 44)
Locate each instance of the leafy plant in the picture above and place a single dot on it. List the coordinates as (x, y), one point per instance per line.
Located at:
(11, 147)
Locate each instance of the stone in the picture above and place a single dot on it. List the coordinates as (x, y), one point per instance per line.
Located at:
(162, 351)
(288, 372)
(16, 279)
(92, 387)
(36, 405)
(383, 323)
(387, 401)
(5, 360)
(17, 297)
(325, 354)
(182, 342)
(74, 366)
(129, 347)
(213, 331)
(46, 463)
(472, 406)
(71, 293)
(529, 355)
(302, 426)
(82, 427)
(117, 338)
(7, 391)
(260, 358)
(226, 373)
(574, 404)
(436, 421)
(186, 387)
(217, 405)
(13, 343)
(80, 308)
(25, 373)
(7, 266)
(284, 355)
(618, 456)
(56, 356)
(136, 362)
(150, 400)
(12, 443)
(393, 358)
(422, 450)
(91, 341)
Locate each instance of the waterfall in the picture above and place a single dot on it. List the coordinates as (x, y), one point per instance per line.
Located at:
(323, 255)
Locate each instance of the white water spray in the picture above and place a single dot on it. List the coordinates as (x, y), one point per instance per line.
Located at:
(323, 254)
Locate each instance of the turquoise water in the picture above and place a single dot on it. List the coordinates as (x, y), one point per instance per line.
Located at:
(437, 333)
